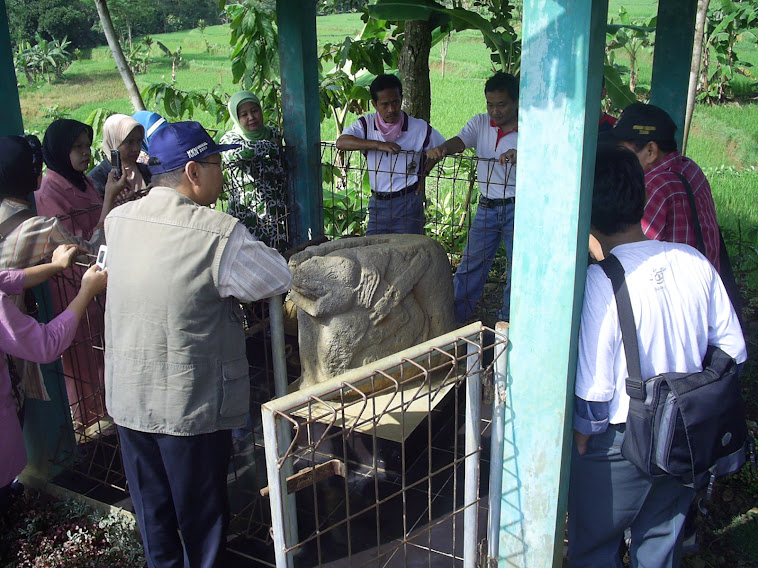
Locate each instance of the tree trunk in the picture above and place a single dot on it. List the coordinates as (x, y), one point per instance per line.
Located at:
(118, 55)
(697, 56)
(413, 64)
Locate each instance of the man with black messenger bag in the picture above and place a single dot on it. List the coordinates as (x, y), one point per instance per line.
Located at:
(637, 464)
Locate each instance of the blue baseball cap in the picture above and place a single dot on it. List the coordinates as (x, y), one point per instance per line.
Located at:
(180, 142)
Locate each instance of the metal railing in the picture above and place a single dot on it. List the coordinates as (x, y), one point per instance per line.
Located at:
(381, 466)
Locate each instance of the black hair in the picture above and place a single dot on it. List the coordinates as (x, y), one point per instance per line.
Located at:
(385, 81)
(666, 146)
(20, 166)
(503, 82)
(36, 147)
(618, 198)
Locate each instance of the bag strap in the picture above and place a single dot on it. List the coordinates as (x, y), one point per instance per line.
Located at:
(635, 386)
(422, 159)
(693, 210)
(12, 222)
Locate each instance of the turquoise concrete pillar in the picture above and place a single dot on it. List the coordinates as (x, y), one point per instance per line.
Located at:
(674, 35)
(10, 108)
(561, 70)
(301, 113)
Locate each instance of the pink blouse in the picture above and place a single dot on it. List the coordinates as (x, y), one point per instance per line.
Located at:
(57, 197)
(22, 336)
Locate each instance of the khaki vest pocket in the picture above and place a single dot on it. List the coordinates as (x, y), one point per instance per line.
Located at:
(236, 395)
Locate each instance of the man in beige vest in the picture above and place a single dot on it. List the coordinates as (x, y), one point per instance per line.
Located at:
(176, 371)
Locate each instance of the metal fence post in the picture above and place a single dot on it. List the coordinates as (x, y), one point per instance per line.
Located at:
(498, 436)
(471, 461)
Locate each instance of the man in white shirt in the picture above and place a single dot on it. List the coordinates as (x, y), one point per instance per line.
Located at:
(494, 135)
(176, 370)
(680, 307)
(394, 144)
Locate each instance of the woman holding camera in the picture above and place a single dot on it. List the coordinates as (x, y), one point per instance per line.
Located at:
(123, 134)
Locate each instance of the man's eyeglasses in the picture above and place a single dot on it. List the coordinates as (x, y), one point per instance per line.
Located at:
(204, 162)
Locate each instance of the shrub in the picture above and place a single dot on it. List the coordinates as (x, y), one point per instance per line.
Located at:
(40, 532)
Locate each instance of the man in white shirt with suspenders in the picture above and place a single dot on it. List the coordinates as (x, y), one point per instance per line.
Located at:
(394, 145)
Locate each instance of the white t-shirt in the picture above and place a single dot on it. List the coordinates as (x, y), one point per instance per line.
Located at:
(680, 307)
(393, 172)
(480, 134)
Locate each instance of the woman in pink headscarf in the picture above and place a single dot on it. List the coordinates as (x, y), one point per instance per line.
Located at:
(125, 134)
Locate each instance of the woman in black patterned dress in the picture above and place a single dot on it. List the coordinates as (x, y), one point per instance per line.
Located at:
(255, 173)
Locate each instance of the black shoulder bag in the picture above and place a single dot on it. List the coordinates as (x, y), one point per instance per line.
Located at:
(688, 425)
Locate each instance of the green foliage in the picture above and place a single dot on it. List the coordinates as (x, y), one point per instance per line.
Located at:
(177, 104)
(353, 65)
(52, 18)
(138, 57)
(54, 112)
(325, 7)
(497, 31)
(632, 37)
(79, 21)
(344, 213)
(728, 22)
(175, 57)
(44, 59)
(255, 57)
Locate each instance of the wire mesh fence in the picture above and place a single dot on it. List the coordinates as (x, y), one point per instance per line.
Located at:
(255, 192)
(382, 467)
(386, 498)
(450, 192)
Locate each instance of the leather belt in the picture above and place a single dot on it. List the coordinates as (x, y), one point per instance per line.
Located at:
(487, 202)
(382, 195)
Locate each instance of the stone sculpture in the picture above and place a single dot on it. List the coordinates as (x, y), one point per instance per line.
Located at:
(360, 299)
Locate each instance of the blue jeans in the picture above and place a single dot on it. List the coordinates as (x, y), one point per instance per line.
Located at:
(403, 214)
(491, 225)
(608, 494)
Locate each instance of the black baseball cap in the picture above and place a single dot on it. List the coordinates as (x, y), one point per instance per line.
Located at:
(180, 142)
(641, 121)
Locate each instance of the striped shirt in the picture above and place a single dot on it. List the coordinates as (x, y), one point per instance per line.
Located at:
(249, 270)
(35, 239)
(668, 216)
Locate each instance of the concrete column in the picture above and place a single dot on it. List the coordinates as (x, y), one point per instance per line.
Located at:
(671, 61)
(301, 112)
(561, 70)
(10, 108)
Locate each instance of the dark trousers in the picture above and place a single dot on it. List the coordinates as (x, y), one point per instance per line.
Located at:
(178, 488)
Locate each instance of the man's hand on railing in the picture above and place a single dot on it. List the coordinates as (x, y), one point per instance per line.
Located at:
(389, 147)
(434, 155)
(508, 157)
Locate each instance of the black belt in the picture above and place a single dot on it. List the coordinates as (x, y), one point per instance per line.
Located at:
(487, 202)
(393, 194)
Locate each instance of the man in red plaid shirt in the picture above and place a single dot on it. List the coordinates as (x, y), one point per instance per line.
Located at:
(648, 131)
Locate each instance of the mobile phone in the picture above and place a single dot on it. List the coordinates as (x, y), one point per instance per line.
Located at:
(101, 255)
(116, 163)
